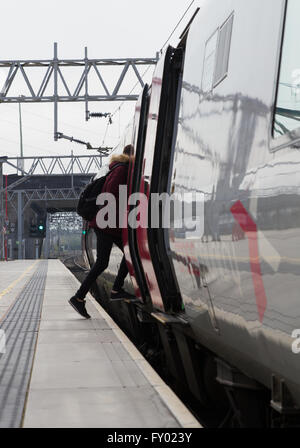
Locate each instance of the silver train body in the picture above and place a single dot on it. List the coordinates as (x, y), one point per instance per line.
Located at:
(236, 141)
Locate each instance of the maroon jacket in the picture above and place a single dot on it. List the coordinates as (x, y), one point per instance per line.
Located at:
(116, 178)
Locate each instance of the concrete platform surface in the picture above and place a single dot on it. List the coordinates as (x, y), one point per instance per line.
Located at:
(76, 372)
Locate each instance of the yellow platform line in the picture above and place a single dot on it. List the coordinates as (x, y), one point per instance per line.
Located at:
(15, 282)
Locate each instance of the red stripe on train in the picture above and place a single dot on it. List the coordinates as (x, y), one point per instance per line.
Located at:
(249, 227)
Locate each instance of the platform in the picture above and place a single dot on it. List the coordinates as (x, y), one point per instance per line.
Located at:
(61, 370)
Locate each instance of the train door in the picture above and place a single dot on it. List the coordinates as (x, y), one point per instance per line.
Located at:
(150, 244)
(158, 235)
(129, 233)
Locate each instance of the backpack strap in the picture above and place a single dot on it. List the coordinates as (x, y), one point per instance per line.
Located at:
(117, 165)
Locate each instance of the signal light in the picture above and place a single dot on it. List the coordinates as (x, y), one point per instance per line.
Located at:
(41, 229)
(37, 229)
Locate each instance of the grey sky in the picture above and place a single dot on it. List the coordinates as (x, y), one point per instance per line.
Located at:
(115, 28)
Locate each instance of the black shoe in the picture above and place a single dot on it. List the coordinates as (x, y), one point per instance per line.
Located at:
(121, 295)
(79, 307)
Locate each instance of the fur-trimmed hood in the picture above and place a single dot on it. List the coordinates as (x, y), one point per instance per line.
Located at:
(119, 158)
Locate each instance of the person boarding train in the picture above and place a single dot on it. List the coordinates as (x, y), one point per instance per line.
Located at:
(107, 237)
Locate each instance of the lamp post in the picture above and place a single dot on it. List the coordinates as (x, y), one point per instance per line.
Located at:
(2, 219)
(21, 161)
(20, 204)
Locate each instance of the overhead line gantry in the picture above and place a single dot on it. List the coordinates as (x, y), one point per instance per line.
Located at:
(54, 70)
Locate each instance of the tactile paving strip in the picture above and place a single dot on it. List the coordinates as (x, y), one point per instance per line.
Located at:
(21, 326)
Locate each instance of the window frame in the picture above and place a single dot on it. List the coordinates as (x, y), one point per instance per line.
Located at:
(217, 82)
(217, 31)
(291, 138)
(207, 92)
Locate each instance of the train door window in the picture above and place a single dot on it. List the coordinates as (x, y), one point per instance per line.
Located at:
(287, 108)
(209, 62)
(223, 52)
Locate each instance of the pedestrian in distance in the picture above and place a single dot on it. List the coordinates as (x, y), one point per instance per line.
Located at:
(107, 237)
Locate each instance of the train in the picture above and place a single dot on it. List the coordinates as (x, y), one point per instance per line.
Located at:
(220, 307)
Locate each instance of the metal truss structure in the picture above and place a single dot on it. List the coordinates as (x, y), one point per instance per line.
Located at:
(19, 199)
(55, 88)
(53, 165)
(45, 194)
(54, 72)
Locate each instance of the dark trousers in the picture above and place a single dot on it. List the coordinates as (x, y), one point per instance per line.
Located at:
(104, 246)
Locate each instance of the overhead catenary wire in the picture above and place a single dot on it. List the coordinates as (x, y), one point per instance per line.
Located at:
(49, 151)
(51, 119)
(14, 142)
(118, 109)
(103, 142)
(181, 19)
(122, 104)
(142, 76)
(26, 126)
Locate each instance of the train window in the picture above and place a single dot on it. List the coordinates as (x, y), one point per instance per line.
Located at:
(222, 58)
(209, 62)
(287, 109)
(216, 57)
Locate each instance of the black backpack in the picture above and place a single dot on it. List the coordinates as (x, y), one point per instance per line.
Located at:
(87, 207)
